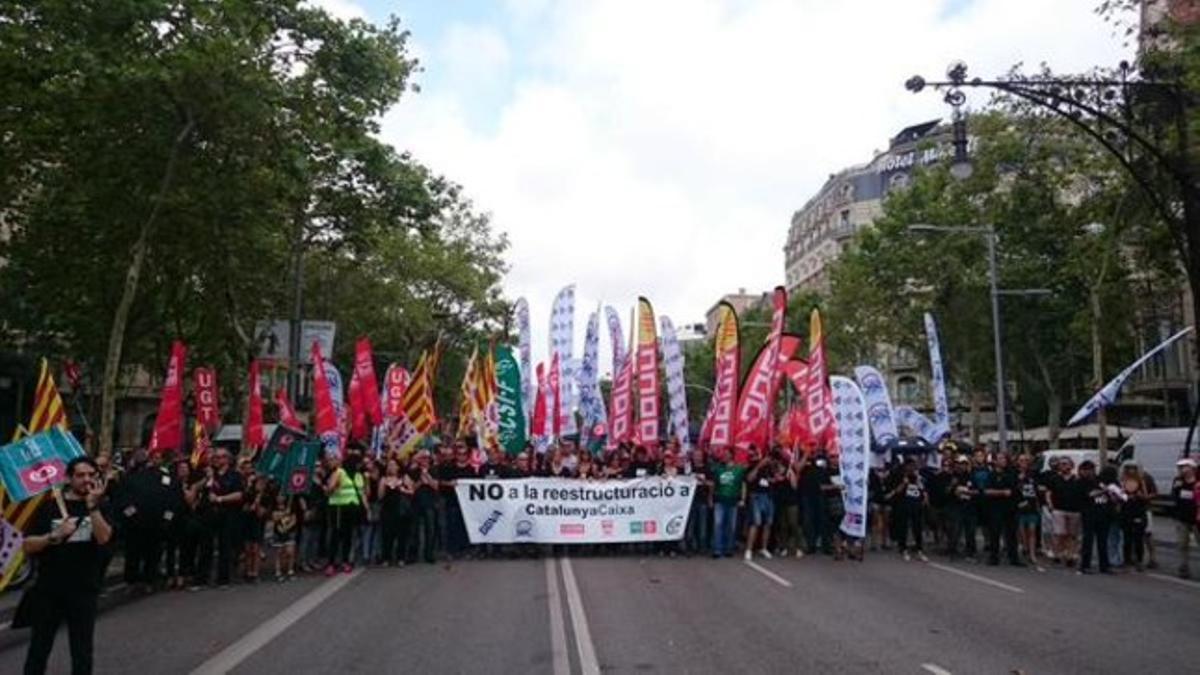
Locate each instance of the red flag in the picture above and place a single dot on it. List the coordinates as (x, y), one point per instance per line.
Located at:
(555, 395)
(253, 434)
(287, 414)
(168, 427)
(647, 376)
(74, 374)
(364, 370)
(707, 426)
(620, 409)
(324, 417)
(757, 403)
(358, 409)
(396, 379)
(538, 427)
(208, 407)
(817, 397)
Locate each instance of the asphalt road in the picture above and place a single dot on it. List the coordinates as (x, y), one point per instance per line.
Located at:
(646, 614)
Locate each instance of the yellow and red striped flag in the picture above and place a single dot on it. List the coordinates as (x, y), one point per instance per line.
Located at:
(48, 412)
(418, 398)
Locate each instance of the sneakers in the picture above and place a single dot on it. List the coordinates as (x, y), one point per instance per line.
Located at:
(799, 554)
(922, 557)
(749, 555)
(765, 554)
(907, 557)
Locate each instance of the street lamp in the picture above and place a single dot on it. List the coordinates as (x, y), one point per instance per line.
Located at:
(989, 233)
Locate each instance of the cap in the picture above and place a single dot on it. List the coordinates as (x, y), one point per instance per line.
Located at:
(962, 459)
(1186, 461)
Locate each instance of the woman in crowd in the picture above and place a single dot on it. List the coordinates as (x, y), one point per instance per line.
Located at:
(284, 525)
(1134, 513)
(256, 508)
(395, 495)
(1028, 491)
(344, 488)
(368, 534)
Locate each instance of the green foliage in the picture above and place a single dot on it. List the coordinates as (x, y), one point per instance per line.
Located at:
(277, 104)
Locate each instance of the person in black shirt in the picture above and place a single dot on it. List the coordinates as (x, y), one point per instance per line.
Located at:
(787, 503)
(68, 551)
(960, 508)
(910, 497)
(814, 478)
(1183, 499)
(1134, 515)
(641, 466)
(1028, 499)
(697, 535)
(1098, 513)
(425, 488)
(999, 495)
(223, 495)
(145, 497)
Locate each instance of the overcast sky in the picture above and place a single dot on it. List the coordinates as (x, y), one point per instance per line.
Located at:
(659, 148)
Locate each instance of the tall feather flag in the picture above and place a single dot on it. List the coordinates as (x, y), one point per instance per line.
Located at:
(253, 435)
(562, 341)
(616, 336)
(757, 404)
(537, 428)
(620, 409)
(524, 349)
(727, 352)
(48, 412)
(817, 397)
(676, 396)
(168, 425)
(591, 403)
(647, 376)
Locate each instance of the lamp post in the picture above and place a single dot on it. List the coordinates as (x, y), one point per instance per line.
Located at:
(1142, 123)
(1096, 230)
(989, 233)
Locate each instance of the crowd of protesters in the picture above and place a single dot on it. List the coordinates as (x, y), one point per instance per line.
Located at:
(191, 527)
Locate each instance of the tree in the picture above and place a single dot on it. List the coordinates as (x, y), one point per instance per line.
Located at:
(168, 165)
(1040, 187)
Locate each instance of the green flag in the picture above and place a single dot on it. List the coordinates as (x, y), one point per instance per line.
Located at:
(300, 464)
(512, 416)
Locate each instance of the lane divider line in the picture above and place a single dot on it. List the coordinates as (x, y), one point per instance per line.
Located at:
(558, 630)
(975, 577)
(233, 655)
(768, 574)
(579, 623)
(935, 669)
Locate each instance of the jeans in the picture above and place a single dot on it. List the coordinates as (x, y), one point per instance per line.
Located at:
(1116, 546)
(698, 530)
(422, 536)
(816, 523)
(962, 526)
(368, 542)
(724, 522)
(49, 610)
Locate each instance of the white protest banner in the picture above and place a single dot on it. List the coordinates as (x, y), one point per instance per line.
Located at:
(850, 416)
(564, 511)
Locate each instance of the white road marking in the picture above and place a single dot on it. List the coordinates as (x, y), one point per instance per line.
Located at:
(1174, 580)
(768, 574)
(233, 655)
(935, 669)
(579, 623)
(558, 631)
(976, 577)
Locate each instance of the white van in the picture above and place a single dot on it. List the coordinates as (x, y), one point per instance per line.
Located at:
(1076, 457)
(1157, 450)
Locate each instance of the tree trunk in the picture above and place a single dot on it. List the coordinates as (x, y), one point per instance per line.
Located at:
(1054, 404)
(116, 337)
(976, 414)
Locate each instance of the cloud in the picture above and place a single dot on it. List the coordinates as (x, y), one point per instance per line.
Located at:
(661, 148)
(342, 9)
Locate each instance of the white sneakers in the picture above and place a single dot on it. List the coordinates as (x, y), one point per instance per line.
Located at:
(921, 557)
(765, 554)
(749, 554)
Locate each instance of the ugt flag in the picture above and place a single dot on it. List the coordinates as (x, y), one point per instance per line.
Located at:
(37, 463)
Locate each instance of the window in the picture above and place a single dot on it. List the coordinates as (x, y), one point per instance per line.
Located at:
(844, 218)
(907, 389)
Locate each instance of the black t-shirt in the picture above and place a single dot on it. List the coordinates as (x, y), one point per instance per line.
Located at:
(74, 565)
(763, 481)
(1183, 496)
(1069, 494)
(912, 494)
(958, 489)
(1026, 492)
(424, 495)
(1001, 480)
(226, 484)
(812, 478)
(785, 494)
(703, 478)
(640, 470)
(939, 483)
